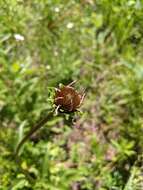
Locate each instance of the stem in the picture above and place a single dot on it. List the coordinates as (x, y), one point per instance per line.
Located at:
(33, 130)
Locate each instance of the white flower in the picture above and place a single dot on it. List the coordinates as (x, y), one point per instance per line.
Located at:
(22, 65)
(55, 53)
(57, 10)
(48, 67)
(70, 25)
(18, 37)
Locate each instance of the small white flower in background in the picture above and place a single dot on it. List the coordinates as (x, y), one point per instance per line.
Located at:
(19, 37)
(48, 67)
(55, 53)
(57, 10)
(70, 25)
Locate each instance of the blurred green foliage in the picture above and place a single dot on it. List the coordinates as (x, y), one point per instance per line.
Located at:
(47, 42)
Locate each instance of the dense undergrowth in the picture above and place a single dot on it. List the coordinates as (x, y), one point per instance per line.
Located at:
(98, 43)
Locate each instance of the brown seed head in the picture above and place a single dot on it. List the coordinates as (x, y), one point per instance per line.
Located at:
(68, 98)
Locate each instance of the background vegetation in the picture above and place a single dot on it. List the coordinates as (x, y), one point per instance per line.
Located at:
(100, 44)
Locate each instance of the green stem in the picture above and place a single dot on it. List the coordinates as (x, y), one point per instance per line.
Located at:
(33, 130)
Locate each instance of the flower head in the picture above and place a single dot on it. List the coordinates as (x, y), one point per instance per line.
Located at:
(68, 99)
(19, 37)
